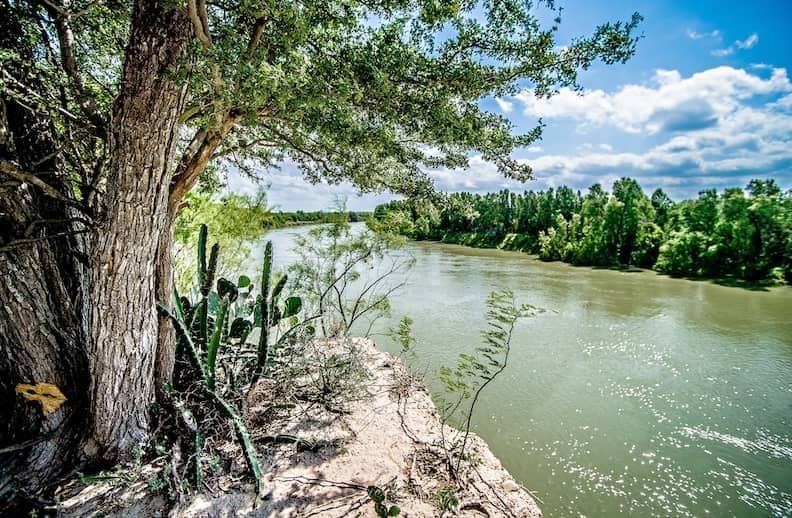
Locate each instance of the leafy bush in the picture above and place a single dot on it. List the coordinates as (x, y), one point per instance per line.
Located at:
(330, 275)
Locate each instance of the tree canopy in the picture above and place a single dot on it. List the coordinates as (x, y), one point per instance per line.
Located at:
(369, 92)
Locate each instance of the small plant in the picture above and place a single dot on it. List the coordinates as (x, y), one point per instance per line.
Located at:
(347, 275)
(403, 336)
(329, 376)
(475, 371)
(382, 506)
(446, 499)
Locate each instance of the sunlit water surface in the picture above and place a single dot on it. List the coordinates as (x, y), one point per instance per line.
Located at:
(634, 394)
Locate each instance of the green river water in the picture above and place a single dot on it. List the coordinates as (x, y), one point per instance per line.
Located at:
(634, 394)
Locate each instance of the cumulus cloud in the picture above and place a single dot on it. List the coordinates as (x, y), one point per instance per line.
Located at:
(714, 129)
(504, 105)
(669, 102)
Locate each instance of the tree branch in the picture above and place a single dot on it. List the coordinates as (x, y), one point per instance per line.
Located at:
(198, 23)
(258, 30)
(69, 64)
(196, 157)
(15, 172)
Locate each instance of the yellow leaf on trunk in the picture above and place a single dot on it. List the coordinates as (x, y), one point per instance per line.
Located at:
(49, 395)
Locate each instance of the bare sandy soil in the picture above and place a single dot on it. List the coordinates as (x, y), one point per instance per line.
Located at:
(389, 437)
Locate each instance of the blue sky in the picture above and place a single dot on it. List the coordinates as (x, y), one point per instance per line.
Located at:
(706, 102)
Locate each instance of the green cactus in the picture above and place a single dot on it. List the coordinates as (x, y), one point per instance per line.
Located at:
(202, 235)
(263, 313)
(206, 286)
(216, 310)
(214, 343)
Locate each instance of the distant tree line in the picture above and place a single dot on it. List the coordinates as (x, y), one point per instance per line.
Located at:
(301, 217)
(741, 233)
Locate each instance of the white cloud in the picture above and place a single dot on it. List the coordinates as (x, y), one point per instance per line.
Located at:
(535, 149)
(749, 42)
(287, 190)
(728, 51)
(713, 127)
(693, 35)
(504, 105)
(784, 102)
(670, 102)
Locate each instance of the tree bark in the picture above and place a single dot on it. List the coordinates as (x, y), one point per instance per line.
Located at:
(123, 321)
(43, 326)
(42, 337)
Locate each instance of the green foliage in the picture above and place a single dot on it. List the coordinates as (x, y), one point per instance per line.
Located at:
(382, 506)
(224, 363)
(346, 90)
(745, 234)
(474, 372)
(403, 334)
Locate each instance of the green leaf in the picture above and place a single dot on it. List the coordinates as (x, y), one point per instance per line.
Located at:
(292, 306)
(240, 328)
(243, 282)
(226, 288)
(375, 493)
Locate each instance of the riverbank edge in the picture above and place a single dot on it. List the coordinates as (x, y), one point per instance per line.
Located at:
(389, 439)
(524, 243)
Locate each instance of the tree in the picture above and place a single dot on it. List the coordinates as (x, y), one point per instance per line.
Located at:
(630, 209)
(662, 204)
(110, 113)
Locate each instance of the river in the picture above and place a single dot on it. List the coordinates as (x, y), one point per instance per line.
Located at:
(634, 394)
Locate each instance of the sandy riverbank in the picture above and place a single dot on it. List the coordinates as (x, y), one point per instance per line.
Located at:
(388, 437)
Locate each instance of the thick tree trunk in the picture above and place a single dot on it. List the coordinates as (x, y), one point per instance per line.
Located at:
(166, 351)
(123, 319)
(43, 327)
(78, 310)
